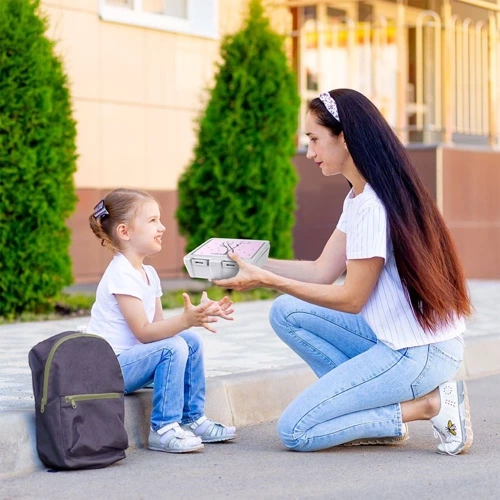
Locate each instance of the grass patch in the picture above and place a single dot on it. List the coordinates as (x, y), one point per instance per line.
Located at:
(171, 300)
(73, 305)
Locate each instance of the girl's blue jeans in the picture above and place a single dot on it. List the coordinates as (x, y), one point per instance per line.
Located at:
(361, 380)
(175, 365)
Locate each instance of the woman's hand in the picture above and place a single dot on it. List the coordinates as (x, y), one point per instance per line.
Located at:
(248, 277)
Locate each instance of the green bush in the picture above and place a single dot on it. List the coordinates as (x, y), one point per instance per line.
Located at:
(37, 162)
(241, 182)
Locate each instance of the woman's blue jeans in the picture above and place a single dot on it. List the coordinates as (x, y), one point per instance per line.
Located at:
(361, 381)
(176, 367)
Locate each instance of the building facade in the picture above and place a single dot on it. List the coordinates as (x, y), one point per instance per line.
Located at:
(139, 71)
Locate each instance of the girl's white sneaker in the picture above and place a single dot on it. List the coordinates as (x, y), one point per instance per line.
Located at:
(172, 439)
(452, 425)
(209, 431)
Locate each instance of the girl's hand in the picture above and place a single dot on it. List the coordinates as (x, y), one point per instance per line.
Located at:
(225, 304)
(226, 308)
(248, 277)
(201, 315)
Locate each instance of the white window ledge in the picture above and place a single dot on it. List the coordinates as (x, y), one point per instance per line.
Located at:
(202, 20)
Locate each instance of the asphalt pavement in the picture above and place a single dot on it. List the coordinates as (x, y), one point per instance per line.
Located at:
(257, 466)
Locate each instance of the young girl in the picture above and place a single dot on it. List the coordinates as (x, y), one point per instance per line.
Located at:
(129, 315)
(386, 343)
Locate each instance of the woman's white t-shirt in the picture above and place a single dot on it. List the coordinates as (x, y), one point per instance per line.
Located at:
(388, 312)
(106, 318)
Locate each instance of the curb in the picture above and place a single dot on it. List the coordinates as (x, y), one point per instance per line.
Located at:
(240, 399)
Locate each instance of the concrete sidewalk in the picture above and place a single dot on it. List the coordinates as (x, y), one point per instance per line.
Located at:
(251, 374)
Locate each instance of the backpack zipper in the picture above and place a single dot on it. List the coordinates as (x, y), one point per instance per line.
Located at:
(49, 362)
(86, 397)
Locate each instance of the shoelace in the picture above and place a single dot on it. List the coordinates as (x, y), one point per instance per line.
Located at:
(444, 441)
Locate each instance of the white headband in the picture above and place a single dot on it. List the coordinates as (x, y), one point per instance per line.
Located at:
(330, 104)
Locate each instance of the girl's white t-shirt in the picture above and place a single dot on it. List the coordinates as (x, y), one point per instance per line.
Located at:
(389, 314)
(106, 318)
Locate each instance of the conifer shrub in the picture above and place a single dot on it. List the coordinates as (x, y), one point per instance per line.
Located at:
(37, 162)
(241, 183)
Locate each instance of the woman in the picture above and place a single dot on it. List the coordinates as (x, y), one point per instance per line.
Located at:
(386, 342)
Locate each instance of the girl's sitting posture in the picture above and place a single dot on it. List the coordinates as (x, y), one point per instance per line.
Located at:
(129, 315)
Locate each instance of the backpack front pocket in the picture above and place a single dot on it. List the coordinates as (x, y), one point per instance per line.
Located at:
(91, 425)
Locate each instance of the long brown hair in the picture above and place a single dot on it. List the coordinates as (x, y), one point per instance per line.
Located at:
(426, 256)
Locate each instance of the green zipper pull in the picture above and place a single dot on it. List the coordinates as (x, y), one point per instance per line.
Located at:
(70, 399)
(42, 408)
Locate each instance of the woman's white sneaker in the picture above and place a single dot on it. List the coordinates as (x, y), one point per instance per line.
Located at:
(452, 425)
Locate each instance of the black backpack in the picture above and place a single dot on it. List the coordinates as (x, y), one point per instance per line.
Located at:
(79, 405)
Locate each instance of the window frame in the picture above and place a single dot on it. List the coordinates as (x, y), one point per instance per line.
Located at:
(196, 23)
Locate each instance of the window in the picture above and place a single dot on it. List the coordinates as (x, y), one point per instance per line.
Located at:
(172, 8)
(337, 45)
(190, 17)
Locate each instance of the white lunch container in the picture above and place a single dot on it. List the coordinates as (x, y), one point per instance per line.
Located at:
(211, 261)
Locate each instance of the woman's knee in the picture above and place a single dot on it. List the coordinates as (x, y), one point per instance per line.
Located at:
(289, 436)
(282, 307)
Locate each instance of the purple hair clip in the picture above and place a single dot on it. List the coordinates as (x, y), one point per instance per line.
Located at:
(100, 210)
(330, 104)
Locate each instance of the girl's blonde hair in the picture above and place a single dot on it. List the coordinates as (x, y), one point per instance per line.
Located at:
(120, 207)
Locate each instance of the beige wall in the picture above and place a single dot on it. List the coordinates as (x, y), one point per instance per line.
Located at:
(136, 93)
